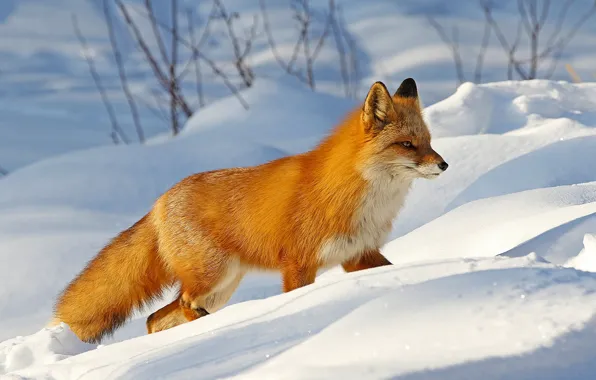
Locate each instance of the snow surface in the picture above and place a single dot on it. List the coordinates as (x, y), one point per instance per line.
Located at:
(493, 260)
(586, 259)
(376, 324)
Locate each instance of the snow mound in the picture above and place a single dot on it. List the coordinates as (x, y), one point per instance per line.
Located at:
(491, 226)
(291, 119)
(397, 333)
(506, 106)
(560, 163)
(47, 346)
(586, 259)
(559, 244)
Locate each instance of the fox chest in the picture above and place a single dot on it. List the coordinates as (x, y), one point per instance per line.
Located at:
(372, 222)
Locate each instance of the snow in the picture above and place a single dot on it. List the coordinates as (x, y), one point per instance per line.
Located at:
(47, 346)
(496, 223)
(586, 259)
(494, 271)
(377, 324)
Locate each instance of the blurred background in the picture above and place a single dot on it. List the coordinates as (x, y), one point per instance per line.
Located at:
(76, 74)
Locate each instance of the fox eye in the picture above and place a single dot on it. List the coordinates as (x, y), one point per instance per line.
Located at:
(406, 144)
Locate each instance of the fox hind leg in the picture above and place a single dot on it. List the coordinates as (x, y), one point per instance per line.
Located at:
(170, 316)
(195, 302)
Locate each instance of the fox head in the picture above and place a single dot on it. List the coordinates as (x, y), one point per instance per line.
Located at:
(397, 139)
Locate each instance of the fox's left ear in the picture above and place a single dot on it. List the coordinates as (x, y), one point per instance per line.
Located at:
(409, 91)
(378, 108)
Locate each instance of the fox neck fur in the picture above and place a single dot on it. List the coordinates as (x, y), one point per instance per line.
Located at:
(373, 195)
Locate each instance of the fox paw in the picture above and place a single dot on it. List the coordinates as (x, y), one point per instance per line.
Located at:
(189, 303)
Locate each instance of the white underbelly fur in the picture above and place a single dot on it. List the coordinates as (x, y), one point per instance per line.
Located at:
(372, 221)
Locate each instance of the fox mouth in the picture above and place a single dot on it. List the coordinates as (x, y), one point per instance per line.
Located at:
(418, 171)
(428, 175)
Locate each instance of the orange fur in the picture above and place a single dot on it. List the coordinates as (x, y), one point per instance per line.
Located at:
(332, 205)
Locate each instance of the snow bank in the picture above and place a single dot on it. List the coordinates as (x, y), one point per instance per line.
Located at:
(561, 163)
(586, 259)
(47, 346)
(559, 244)
(281, 116)
(376, 324)
(491, 226)
(506, 106)
(457, 320)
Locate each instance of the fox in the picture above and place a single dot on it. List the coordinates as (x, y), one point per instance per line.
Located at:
(331, 206)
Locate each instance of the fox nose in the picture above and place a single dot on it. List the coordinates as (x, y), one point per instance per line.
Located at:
(443, 166)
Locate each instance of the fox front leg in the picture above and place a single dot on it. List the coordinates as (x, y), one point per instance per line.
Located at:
(368, 260)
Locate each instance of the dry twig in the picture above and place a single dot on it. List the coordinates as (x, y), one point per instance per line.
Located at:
(117, 133)
(122, 73)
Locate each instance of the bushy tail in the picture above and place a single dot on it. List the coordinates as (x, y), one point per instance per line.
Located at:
(123, 276)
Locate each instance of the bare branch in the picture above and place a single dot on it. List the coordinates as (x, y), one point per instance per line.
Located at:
(545, 10)
(353, 54)
(159, 102)
(240, 54)
(325, 33)
(157, 70)
(452, 44)
(560, 45)
(339, 45)
(156, 33)
(273, 46)
(122, 73)
(524, 16)
(192, 61)
(216, 70)
(482, 53)
(294, 57)
(250, 36)
(117, 132)
(304, 21)
(197, 63)
(532, 17)
(509, 50)
(304, 15)
(151, 108)
(513, 49)
(173, 63)
(559, 23)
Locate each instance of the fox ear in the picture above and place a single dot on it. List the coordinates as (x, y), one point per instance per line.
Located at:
(408, 91)
(378, 107)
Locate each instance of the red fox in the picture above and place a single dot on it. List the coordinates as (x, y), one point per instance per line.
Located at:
(333, 205)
